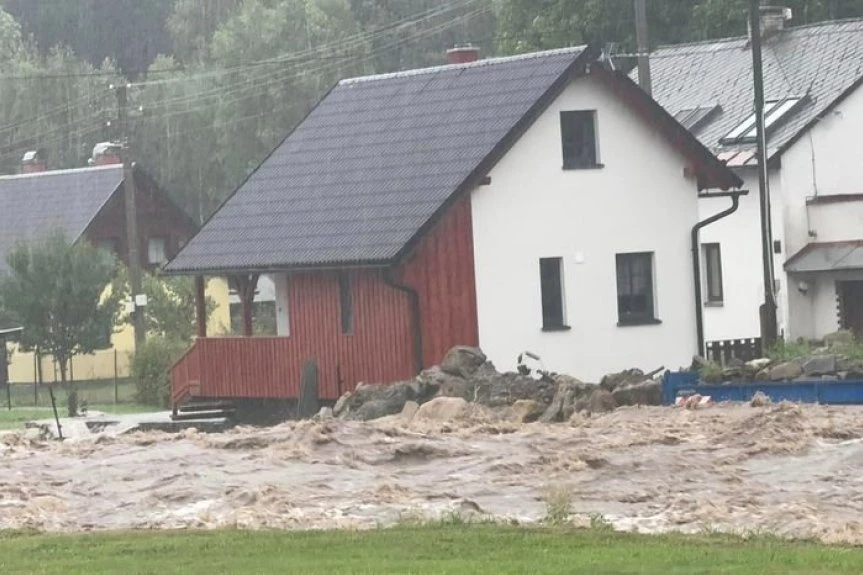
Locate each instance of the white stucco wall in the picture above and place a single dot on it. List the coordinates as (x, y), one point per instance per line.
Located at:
(739, 236)
(640, 201)
(837, 222)
(826, 161)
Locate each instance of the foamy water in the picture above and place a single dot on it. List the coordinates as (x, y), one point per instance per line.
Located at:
(790, 470)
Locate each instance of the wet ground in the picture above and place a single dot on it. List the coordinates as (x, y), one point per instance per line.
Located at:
(791, 470)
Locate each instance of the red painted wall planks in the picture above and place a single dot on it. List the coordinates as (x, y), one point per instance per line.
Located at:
(380, 346)
(442, 271)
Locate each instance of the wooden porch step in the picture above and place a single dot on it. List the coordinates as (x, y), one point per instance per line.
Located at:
(192, 415)
(207, 406)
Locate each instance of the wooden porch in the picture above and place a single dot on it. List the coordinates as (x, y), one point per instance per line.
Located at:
(246, 367)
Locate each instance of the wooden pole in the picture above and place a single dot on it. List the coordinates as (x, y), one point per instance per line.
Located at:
(132, 238)
(769, 330)
(116, 377)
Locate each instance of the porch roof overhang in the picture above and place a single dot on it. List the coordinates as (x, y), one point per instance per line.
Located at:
(827, 257)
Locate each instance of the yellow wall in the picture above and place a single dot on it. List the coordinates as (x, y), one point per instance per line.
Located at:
(114, 362)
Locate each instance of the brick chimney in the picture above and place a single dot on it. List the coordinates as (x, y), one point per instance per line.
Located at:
(33, 162)
(462, 54)
(106, 153)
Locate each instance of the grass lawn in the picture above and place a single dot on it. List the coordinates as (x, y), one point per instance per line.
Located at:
(459, 550)
(18, 416)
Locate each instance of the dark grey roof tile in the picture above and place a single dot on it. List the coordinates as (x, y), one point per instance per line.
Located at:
(371, 164)
(34, 205)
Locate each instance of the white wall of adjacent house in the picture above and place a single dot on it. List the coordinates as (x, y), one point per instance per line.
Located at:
(736, 316)
(639, 201)
(824, 162)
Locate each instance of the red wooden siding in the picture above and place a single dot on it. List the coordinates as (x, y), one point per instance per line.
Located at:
(377, 350)
(442, 271)
(380, 347)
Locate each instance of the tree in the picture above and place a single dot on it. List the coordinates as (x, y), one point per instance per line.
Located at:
(58, 291)
(170, 310)
(527, 25)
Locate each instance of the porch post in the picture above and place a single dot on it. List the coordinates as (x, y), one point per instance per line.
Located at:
(245, 286)
(201, 306)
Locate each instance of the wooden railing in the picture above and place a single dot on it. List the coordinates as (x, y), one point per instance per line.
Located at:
(723, 352)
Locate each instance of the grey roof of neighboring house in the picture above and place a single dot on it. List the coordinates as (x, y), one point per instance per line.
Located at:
(34, 205)
(823, 62)
(371, 165)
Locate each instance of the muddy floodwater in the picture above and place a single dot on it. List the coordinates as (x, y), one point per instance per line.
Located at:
(786, 469)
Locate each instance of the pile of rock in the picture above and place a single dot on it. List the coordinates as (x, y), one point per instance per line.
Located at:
(828, 361)
(466, 375)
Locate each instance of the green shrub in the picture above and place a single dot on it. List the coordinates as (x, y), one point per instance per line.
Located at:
(788, 350)
(150, 370)
(710, 372)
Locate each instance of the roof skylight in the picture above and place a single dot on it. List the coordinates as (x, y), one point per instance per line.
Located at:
(774, 111)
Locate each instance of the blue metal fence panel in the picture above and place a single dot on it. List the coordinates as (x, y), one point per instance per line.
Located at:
(827, 392)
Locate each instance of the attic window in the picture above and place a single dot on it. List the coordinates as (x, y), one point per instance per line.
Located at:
(774, 112)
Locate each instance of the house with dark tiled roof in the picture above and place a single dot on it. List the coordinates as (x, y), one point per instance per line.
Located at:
(87, 204)
(540, 203)
(814, 116)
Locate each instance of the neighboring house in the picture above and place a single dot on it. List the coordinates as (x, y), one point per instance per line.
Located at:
(537, 202)
(814, 116)
(87, 203)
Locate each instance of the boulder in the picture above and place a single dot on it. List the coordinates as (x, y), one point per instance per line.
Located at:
(443, 409)
(757, 365)
(614, 380)
(644, 393)
(376, 401)
(763, 375)
(494, 389)
(526, 411)
(325, 414)
(760, 399)
(342, 404)
(599, 401)
(410, 410)
(786, 371)
(375, 409)
(462, 361)
(820, 365)
(569, 390)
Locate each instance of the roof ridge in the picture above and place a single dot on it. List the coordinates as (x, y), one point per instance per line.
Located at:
(789, 30)
(824, 23)
(477, 64)
(67, 171)
(727, 39)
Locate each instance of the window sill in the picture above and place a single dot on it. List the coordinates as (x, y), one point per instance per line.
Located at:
(638, 322)
(714, 304)
(555, 328)
(585, 167)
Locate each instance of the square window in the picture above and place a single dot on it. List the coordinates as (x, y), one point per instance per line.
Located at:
(578, 135)
(713, 273)
(635, 304)
(156, 252)
(551, 285)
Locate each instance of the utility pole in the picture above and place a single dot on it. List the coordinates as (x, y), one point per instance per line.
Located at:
(769, 330)
(131, 215)
(642, 38)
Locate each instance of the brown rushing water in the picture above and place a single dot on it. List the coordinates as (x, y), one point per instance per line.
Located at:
(791, 470)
